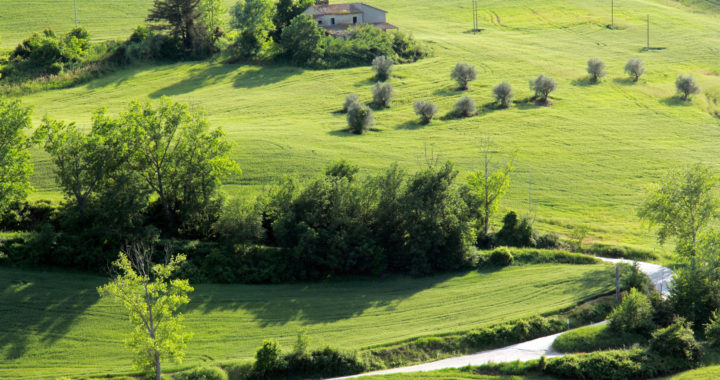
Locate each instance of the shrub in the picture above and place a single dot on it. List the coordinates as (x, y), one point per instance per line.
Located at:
(635, 68)
(632, 277)
(382, 94)
(503, 94)
(591, 312)
(360, 118)
(514, 232)
(204, 373)
(633, 315)
(426, 110)
(407, 48)
(625, 364)
(595, 338)
(543, 86)
(383, 67)
(694, 294)
(501, 257)
(686, 85)
(465, 107)
(548, 241)
(350, 100)
(596, 68)
(712, 330)
(619, 252)
(676, 341)
(463, 74)
(268, 359)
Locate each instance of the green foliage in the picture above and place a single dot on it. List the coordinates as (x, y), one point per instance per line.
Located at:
(463, 74)
(500, 257)
(350, 100)
(635, 68)
(360, 118)
(204, 373)
(146, 44)
(596, 69)
(503, 94)
(686, 85)
(152, 297)
(712, 330)
(620, 252)
(426, 110)
(633, 315)
(286, 11)
(302, 42)
(540, 256)
(596, 338)
(591, 312)
(382, 94)
(183, 19)
(465, 107)
(382, 66)
(579, 233)
(632, 278)
(211, 14)
(695, 294)
(342, 169)
(253, 18)
(676, 341)
(514, 232)
(682, 205)
(15, 167)
(485, 187)
(543, 86)
(268, 359)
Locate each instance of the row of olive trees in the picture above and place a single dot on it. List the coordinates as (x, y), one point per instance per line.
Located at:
(685, 84)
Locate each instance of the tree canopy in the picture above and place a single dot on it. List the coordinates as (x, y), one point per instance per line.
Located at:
(15, 167)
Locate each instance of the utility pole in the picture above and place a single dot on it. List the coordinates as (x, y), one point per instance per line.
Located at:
(612, 14)
(475, 19)
(648, 32)
(75, 4)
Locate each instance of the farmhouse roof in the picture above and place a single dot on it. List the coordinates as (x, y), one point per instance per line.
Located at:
(336, 9)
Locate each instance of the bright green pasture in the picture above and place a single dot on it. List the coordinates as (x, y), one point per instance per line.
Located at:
(585, 160)
(54, 323)
(707, 373)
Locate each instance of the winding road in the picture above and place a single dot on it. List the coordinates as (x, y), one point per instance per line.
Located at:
(661, 276)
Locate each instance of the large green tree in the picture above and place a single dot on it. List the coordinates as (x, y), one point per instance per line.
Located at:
(180, 17)
(302, 41)
(151, 295)
(15, 167)
(682, 205)
(180, 158)
(253, 18)
(286, 10)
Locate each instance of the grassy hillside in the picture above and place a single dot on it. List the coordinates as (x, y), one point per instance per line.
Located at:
(585, 160)
(54, 324)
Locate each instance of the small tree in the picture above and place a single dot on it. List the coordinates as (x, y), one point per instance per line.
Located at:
(15, 167)
(503, 94)
(543, 86)
(463, 74)
(426, 110)
(633, 315)
(152, 297)
(382, 94)
(596, 68)
(686, 85)
(301, 41)
(360, 118)
(635, 68)
(383, 67)
(465, 107)
(579, 233)
(349, 101)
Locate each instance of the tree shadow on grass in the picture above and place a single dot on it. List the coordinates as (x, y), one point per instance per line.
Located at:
(412, 124)
(42, 305)
(675, 100)
(366, 82)
(625, 81)
(449, 91)
(195, 79)
(585, 81)
(265, 75)
(595, 282)
(310, 303)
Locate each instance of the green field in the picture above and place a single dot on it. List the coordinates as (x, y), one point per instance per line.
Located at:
(585, 160)
(54, 324)
(453, 374)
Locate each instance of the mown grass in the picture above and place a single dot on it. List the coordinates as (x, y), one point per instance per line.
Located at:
(595, 338)
(707, 373)
(584, 160)
(53, 323)
(455, 374)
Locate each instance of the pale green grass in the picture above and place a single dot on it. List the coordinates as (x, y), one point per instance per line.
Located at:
(707, 373)
(54, 324)
(585, 160)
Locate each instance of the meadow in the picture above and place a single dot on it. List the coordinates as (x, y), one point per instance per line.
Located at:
(587, 159)
(54, 324)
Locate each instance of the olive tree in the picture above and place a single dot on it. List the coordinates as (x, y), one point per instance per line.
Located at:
(596, 69)
(382, 94)
(360, 118)
(683, 204)
(151, 295)
(503, 94)
(426, 110)
(349, 101)
(686, 86)
(463, 74)
(543, 86)
(15, 167)
(635, 68)
(465, 107)
(382, 66)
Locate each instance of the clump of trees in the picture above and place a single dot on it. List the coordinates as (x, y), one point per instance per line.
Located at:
(686, 86)
(596, 69)
(503, 94)
(543, 86)
(463, 74)
(382, 66)
(465, 107)
(382, 94)
(635, 68)
(426, 110)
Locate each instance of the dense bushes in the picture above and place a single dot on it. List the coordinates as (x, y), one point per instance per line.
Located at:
(500, 257)
(203, 373)
(676, 341)
(620, 252)
(272, 363)
(633, 315)
(535, 256)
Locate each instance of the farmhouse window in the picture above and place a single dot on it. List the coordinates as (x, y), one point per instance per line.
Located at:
(355, 20)
(332, 21)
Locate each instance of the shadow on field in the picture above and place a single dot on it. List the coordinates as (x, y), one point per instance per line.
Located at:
(624, 81)
(448, 91)
(312, 303)
(264, 75)
(35, 309)
(588, 281)
(675, 100)
(585, 81)
(195, 79)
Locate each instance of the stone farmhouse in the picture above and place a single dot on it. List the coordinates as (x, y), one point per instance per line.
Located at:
(336, 19)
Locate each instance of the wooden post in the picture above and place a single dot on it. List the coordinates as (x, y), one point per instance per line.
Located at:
(75, 5)
(648, 32)
(617, 283)
(612, 14)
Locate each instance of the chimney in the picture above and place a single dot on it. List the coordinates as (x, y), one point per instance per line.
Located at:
(322, 2)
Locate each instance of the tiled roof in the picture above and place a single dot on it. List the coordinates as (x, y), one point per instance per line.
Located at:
(335, 9)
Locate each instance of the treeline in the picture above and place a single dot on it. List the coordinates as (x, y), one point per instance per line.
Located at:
(259, 31)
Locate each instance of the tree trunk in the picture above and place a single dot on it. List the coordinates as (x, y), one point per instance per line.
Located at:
(158, 373)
